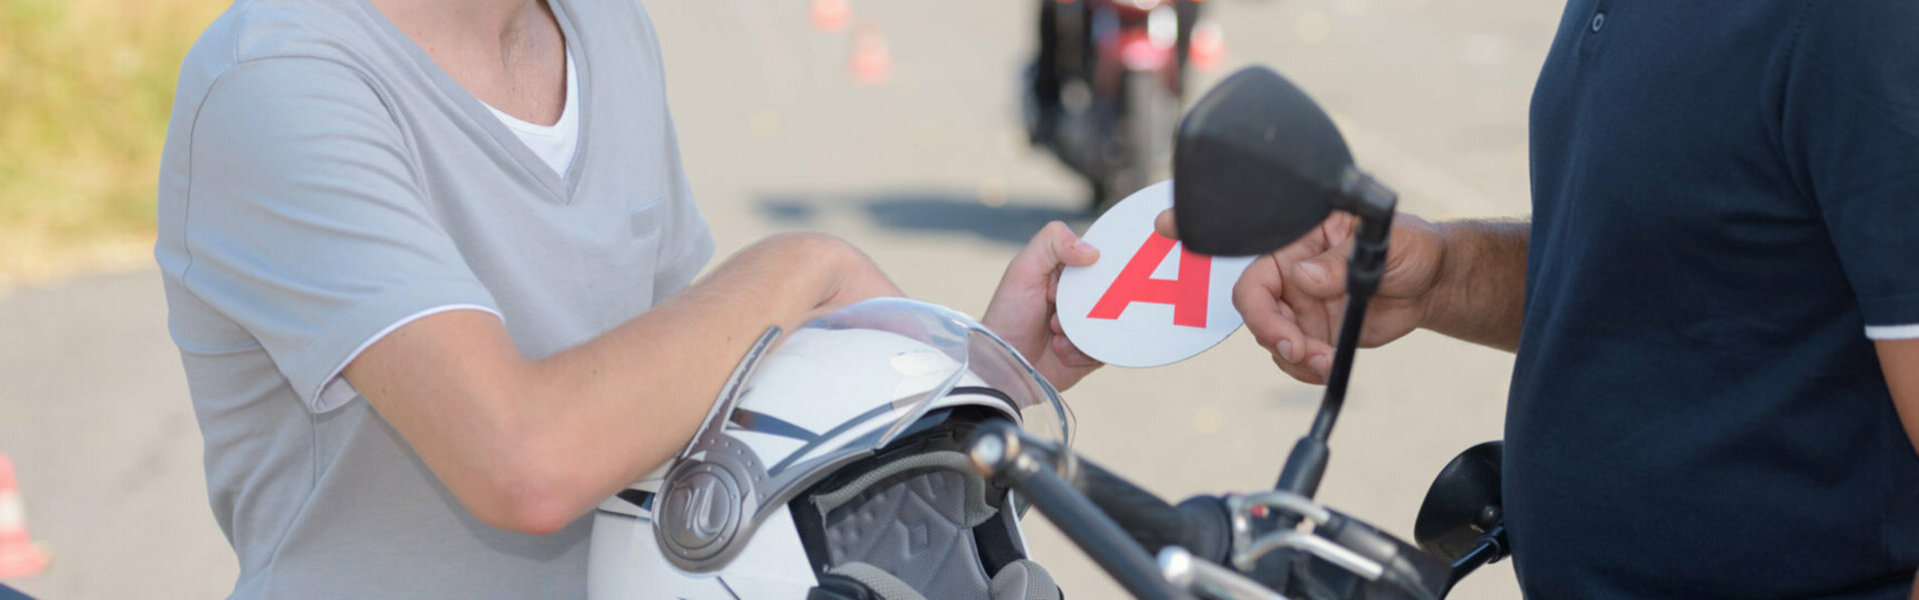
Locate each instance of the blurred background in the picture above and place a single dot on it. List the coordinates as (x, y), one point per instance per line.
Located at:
(897, 124)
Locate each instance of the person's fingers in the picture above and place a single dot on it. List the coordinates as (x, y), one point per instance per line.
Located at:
(1065, 246)
(1071, 356)
(1257, 298)
(1054, 245)
(1322, 275)
(1321, 364)
(1299, 372)
(1310, 313)
(1078, 253)
(1165, 226)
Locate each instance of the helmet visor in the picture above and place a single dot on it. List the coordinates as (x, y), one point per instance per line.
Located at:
(969, 359)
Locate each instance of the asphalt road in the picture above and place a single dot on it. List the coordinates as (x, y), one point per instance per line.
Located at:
(928, 171)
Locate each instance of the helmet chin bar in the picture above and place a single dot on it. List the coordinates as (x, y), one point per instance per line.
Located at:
(706, 497)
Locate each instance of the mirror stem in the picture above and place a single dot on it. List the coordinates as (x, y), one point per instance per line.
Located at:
(1491, 548)
(1374, 204)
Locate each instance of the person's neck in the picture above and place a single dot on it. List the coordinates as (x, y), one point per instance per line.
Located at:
(496, 26)
(510, 54)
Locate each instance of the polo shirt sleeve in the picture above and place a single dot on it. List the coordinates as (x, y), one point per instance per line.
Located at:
(306, 223)
(1850, 123)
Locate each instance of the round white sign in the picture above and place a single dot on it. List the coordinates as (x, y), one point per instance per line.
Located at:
(1147, 302)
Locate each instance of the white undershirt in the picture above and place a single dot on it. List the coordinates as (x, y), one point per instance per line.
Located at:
(555, 143)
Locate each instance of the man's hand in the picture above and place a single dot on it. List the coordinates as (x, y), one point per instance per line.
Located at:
(1024, 312)
(1465, 280)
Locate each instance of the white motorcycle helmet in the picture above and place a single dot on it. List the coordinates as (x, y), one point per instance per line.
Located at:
(833, 467)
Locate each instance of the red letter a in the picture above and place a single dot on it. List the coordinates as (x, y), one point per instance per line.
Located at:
(1136, 284)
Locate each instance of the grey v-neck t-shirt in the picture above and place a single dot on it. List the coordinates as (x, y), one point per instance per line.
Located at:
(322, 181)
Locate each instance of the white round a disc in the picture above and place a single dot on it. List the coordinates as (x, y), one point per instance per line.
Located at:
(1147, 302)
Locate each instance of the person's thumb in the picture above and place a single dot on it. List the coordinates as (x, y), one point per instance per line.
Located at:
(1164, 225)
(1053, 246)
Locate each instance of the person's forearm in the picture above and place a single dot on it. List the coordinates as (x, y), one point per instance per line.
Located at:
(639, 392)
(529, 445)
(1481, 292)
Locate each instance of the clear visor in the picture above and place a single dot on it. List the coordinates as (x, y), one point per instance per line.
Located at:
(976, 359)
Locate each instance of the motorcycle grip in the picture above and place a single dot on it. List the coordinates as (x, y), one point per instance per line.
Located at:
(1200, 524)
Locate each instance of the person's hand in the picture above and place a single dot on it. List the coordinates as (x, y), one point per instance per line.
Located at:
(858, 278)
(1023, 310)
(1293, 300)
(845, 275)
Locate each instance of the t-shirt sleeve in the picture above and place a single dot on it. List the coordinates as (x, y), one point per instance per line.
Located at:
(1851, 123)
(306, 224)
(686, 243)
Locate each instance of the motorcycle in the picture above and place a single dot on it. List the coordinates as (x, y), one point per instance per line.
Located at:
(1257, 165)
(1105, 93)
(889, 450)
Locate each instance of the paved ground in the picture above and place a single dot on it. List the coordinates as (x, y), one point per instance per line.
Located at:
(928, 172)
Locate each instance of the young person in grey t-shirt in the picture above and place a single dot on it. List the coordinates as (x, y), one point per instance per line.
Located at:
(424, 337)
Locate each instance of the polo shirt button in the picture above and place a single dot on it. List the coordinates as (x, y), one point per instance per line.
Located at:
(1599, 20)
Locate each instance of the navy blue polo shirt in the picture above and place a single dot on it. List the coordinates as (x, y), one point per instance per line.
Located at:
(1725, 202)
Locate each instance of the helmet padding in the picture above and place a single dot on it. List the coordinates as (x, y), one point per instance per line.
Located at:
(905, 530)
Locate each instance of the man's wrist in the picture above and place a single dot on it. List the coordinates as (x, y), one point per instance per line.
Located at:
(1438, 303)
(1479, 284)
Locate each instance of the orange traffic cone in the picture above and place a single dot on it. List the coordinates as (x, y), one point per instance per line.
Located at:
(871, 62)
(19, 556)
(830, 15)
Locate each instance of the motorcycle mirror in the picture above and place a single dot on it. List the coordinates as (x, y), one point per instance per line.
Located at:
(1256, 165)
(1462, 504)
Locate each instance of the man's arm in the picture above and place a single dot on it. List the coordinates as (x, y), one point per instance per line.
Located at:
(1899, 360)
(529, 445)
(1481, 292)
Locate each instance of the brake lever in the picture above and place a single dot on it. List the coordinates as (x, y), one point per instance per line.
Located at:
(1345, 543)
(1200, 576)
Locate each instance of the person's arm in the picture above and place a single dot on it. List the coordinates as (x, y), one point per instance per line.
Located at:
(1465, 279)
(1899, 360)
(529, 445)
(1480, 297)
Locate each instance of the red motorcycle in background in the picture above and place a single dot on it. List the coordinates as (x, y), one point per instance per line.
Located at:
(1105, 92)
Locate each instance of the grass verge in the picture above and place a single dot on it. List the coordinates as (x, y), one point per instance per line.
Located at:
(85, 90)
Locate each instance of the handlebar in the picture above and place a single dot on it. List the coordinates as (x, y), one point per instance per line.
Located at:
(998, 450)
(1118, 524)
(1200, 524)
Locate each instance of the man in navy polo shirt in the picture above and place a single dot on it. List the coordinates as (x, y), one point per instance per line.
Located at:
(1715, 306)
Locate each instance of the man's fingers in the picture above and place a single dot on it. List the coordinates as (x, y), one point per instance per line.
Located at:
(1299, 372)
(1257, 297)
(1309, 310)
(1321, 276)
(1165, 226)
